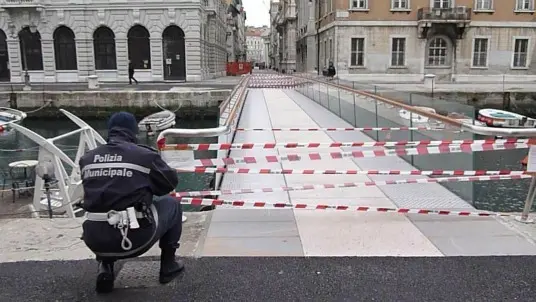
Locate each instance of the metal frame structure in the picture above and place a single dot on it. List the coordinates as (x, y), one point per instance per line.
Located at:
(230, 112)
(69, 185)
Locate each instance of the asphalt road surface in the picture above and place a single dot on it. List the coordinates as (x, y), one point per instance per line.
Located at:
(289, 279)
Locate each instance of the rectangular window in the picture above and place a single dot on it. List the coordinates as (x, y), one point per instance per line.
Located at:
(399, 4)
(442, 3)
(525, 5)
(398, 52)
(480, 52)
(357, 52)
(484, 4)
(326, 52)
(330, 49)
(358, 4)
(521, 48)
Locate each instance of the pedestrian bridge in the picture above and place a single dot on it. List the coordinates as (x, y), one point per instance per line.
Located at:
(324, 168)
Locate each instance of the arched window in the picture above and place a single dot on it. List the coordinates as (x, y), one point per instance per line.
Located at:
(30, 48)
(4, 58)
(438, 52)
(65, 49)
(139, 49)
(104, 49)
(174, 53)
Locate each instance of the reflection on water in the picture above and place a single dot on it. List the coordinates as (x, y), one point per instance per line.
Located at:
(503, 195)
(52, 128)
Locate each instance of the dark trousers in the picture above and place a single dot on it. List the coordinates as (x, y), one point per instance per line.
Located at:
(169, 222)
(169, 230)
(131, 77)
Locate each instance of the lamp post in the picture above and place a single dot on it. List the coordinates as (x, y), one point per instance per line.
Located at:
(32, 28)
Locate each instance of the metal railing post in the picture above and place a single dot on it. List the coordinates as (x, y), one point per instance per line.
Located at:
(355, 109)
(339, 97)
(528, 203)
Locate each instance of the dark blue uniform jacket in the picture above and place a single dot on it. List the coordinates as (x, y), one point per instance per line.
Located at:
(122, 173)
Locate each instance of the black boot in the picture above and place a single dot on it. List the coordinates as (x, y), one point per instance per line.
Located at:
(169, 267)
(105, 278)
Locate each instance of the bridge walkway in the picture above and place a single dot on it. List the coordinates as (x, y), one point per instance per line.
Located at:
(288, 232)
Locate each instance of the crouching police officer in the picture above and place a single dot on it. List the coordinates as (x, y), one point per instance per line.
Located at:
(122, 182)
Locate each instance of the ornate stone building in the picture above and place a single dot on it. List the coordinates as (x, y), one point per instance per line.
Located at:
(273, 51)
(69, 40)
(306, 36)
(255, 44)
(286, 27)
(236, 32)
(456, 40)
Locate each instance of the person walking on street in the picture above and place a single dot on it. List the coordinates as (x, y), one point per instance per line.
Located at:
(131, 73)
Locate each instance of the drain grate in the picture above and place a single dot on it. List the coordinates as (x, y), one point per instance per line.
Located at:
(139, 274)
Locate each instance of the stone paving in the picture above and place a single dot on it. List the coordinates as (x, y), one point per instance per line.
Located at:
(343, 233)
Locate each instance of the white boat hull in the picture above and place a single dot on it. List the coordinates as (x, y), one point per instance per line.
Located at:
(501, 118)
(10, 116)
(157, 122)
(414, 117)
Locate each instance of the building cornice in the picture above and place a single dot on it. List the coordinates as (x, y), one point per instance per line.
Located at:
(342, 23)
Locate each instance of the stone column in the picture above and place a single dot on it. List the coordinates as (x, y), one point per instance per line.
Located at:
(15, 63)
(193, 59)
(85, 58)
(121, 51)
(291, 46)
(311, 53)
(49, 63)
(157, 59)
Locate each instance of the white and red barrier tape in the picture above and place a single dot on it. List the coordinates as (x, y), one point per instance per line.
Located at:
(422, 150)
(343, 129)
(352, 185)
(349, 172)
(278, 205)
(242, 146)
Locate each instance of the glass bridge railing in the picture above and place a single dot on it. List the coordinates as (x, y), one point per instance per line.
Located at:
(363, 105)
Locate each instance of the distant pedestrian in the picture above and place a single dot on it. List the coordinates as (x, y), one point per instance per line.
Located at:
(131, 73)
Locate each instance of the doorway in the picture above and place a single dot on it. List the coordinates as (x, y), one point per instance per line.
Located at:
(174, 53)
(4, 58)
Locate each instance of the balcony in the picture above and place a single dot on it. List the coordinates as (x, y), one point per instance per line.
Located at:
(444, 15)
(21, 3)
(451, 21)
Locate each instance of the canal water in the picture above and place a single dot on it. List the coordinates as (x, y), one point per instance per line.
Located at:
(53, 127)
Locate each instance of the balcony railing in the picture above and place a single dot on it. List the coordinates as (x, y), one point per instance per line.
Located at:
(21, 3)
(457, 13)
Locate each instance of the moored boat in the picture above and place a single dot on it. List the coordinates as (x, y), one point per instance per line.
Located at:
(502, 118)
(10, 116)
(157, 121)
(416, 118)
(465, 119)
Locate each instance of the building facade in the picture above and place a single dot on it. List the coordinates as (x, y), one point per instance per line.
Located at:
(286, 26)
(69, 40)
(273, 52)
(255, 44)
(456, 40)
(306, 36)
(236, 32)
(266, 46)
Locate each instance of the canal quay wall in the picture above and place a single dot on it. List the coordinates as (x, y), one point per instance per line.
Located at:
(187, 103)
(516, 97)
